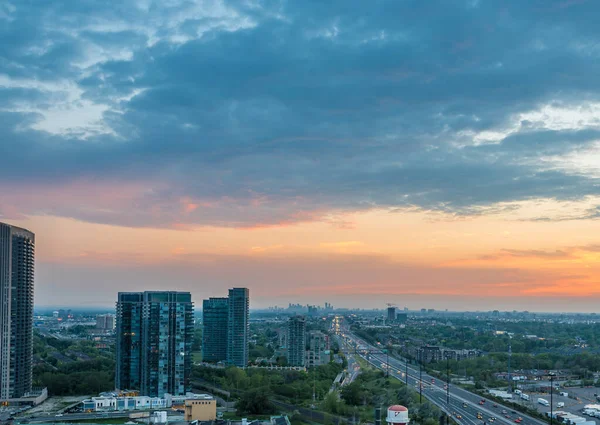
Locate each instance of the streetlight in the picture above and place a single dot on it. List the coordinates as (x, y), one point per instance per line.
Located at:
(421, 381)
(552, 374)
(447, 386)
(448, 380)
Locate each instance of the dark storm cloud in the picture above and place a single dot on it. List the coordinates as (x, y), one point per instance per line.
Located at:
(283, 111)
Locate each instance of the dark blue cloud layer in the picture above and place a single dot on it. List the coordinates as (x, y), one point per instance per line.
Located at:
(307, 106)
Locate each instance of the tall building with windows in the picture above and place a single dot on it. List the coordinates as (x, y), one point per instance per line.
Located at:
(105, 322)
(215, 318)
(154, 331)
(318, 349)
(296, 341)
(391, 314)
(238, 327)
(17, 256)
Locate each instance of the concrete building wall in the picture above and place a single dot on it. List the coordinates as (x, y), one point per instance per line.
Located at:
(200, 410)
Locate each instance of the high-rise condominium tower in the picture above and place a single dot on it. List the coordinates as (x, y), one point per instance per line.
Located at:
(17, 255)
(215, 317)
(238, 327)
(154, 342)
(296, 341)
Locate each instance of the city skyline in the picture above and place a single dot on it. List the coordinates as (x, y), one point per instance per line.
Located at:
(442, 155)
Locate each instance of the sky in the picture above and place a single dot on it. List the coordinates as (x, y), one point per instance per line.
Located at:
(438, 154)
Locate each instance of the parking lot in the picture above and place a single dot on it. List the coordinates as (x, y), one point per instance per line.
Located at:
(574, 403)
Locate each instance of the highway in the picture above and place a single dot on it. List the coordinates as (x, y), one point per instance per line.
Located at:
(462, 402)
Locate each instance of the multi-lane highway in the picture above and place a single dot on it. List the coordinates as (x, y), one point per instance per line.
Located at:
(464, 406)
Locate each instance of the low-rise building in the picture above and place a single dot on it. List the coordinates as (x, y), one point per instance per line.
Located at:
(434, 353)
(201, 409)
(32, 398)
(114, 402)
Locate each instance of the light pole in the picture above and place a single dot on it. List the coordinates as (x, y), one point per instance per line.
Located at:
(510, 382)
(447, 386)
(387, 362)
(551, 393)
(421, 382)
(448, 380)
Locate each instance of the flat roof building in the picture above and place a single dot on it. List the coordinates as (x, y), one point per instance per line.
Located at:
(200, 409)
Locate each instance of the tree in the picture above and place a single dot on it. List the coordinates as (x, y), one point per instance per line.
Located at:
(330, 404)
(255, 402)
(197, 344)
(235, 376)
(352, 394)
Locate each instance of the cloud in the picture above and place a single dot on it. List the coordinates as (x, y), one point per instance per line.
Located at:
(558, 254)
(246, 114)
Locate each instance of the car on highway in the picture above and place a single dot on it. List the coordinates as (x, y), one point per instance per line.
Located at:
(495, 405)
(465, 405)
(518, 420)
(504, 412)
(458, 416)
(58, 415)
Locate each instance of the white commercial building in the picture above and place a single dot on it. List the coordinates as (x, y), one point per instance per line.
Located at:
(120, 403)
(501, 394)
